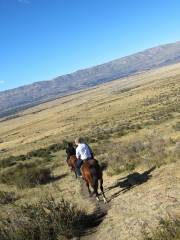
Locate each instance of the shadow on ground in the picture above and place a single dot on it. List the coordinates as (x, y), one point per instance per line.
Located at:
(53, 179)
(132, 180)
(92, 221)
(59, 177)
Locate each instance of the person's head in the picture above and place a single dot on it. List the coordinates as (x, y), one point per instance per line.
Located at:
(78, 140)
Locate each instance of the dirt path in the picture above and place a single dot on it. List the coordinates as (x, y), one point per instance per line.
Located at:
(96, 218)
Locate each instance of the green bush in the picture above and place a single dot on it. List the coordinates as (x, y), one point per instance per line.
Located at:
(45, 220)
(26, 175)
(167, 230)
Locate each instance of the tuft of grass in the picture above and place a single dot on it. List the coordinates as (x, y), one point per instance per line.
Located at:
(167, 230)
(177, 126)
(7, 197)
(176, 152)
(46, 219)
(156, 149)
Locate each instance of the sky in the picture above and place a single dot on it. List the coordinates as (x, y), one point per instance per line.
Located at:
(43, 39)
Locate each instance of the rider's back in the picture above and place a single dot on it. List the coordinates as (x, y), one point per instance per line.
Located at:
(83, 152)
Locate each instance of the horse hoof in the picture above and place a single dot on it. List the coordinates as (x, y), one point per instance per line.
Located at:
(105, 201)
(97, 199)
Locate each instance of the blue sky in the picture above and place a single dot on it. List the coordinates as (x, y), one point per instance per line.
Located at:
(42, 39)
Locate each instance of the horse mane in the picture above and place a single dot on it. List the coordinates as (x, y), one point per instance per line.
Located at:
(70, 150)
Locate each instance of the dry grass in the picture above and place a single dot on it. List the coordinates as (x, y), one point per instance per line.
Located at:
(139, 200)
(132, 124)
(168, 229)
(99, 113)
(46, 219)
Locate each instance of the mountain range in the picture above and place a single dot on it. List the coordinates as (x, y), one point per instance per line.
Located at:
(26, 96)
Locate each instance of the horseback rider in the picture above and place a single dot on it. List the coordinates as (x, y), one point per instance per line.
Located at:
(83, 152)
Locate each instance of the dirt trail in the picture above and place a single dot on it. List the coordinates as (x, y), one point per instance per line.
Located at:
(136, 200)
(96, 218)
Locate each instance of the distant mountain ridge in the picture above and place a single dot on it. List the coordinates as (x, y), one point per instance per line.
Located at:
(23, 97)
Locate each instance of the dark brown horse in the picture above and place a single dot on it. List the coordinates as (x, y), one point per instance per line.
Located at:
(92, 174)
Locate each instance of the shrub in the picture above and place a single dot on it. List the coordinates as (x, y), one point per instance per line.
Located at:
(55, 147)
(46, 219)
(156, 148)
(177, 150)
(177, 126)
(26, 175)
(167, 230)
(116, 165)
(42, 153)
(123, 157)
(7, 197)
(12, 160)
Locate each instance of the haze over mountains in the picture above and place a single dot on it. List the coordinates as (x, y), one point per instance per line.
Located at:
(33, 94)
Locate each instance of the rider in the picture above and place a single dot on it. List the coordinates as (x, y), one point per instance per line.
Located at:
(83, 152)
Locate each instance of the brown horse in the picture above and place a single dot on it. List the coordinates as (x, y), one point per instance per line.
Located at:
(92, 173)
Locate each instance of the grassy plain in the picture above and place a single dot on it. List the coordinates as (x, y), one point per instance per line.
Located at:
(132, 124)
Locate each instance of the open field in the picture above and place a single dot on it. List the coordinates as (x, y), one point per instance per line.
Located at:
(132, 125)
(147, 99)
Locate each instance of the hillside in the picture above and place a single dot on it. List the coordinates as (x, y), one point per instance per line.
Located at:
(23, 97)
(132, 126)
(105, 109)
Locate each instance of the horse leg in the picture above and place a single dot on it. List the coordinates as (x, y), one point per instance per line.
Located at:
(97, 197)
(102, 190)
(73, 169)
(87, 184)
(95, 187)
(94, 182)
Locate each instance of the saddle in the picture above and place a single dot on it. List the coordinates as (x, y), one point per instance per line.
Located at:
(91, 162)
